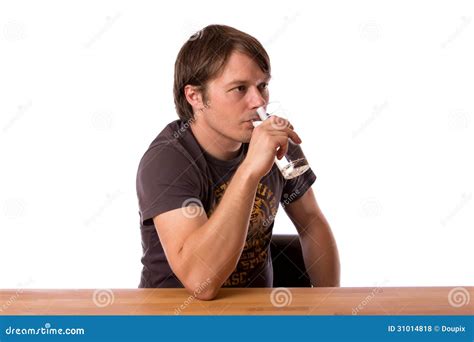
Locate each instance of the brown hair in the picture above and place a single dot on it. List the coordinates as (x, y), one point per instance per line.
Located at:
(204, 56)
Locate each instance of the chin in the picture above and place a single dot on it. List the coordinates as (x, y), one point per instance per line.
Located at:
(246, 134)
(245, 138)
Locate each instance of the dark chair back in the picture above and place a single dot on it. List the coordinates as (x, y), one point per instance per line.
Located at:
(288, 264)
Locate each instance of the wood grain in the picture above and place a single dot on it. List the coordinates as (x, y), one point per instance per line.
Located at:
(250, 301)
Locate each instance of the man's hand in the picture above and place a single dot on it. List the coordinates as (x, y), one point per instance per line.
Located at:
(269, 140)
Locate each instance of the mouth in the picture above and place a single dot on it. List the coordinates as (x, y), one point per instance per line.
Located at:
(253, 122)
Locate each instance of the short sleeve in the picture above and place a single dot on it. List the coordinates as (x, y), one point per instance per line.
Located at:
(296, 187)
(166, 180)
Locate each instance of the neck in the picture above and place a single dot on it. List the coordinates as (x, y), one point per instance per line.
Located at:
(214, 143)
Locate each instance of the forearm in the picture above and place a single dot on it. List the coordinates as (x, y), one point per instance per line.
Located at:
(213, 251)
(320, 254)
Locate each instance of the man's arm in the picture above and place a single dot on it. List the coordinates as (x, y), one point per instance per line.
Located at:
(320, 253)
(203, 252)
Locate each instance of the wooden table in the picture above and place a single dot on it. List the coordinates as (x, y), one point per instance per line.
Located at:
(255, 301)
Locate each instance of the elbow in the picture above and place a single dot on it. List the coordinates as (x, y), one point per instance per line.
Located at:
(203, 289)
(203, 293)
(199, 283)
(210, 294)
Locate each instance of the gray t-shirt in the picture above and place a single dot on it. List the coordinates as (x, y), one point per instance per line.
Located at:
(176, 171)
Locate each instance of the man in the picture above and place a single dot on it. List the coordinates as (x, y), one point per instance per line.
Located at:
(208, 187)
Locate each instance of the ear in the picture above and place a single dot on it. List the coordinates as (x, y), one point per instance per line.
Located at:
(194, 96)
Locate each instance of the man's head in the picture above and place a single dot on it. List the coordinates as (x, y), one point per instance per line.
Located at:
(221, 77)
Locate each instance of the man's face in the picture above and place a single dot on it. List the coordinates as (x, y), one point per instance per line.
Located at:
(234, 97)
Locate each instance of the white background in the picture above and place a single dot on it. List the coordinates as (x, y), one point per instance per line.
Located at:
(381, 93)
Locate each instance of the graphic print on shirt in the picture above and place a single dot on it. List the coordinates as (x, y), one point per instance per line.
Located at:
(254, 254)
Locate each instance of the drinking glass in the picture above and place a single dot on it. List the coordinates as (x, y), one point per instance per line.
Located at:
(294, 163)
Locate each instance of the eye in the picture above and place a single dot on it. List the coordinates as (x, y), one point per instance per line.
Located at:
(239, 88)
(264, 86)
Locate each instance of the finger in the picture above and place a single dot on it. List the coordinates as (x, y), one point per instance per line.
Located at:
(280, 124)
(290, 135)
(277, 123)
(293, 136)
(282, 147)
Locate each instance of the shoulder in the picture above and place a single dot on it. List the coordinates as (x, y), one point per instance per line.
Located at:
(173, 152)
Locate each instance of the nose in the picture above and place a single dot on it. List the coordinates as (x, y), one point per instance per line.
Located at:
(256, 98)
